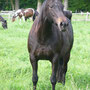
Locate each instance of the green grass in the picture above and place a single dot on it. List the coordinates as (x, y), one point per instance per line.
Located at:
(15, 67)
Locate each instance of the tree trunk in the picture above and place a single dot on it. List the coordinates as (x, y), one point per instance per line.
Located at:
(12, 4)
(16, 4)
(65, 4)
(39, 3)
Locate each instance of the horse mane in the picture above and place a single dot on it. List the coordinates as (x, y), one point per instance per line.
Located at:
(41, 15)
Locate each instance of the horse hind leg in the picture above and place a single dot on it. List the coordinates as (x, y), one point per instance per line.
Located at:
(34, 64)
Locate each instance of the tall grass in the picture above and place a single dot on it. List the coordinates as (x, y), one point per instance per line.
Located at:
(15, 68)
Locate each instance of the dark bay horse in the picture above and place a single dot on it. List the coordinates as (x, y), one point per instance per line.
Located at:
(25, 14)
(4, 22)
(51, 38)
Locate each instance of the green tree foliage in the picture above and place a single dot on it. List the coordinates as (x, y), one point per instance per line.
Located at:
(79, 5)
(5, 5)
(74, 5)
(28, 3)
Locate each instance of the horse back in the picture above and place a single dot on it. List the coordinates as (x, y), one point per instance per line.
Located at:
(28, 13)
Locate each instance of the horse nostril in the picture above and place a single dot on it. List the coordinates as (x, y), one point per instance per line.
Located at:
(63, 24)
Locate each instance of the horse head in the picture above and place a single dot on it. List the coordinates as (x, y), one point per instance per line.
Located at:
(16, 14)
(4, 24)
(13, 18)
(55, 14)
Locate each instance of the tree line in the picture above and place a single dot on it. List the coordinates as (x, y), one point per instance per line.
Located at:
(73, 5)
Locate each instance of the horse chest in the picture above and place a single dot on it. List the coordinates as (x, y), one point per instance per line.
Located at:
(42, 51)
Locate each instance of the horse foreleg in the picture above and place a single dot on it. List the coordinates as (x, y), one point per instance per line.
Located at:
(23, 18)
(66, 59)
(20, 21)
(34, 67)
(54, 70)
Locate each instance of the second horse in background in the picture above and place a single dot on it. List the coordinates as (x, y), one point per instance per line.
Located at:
(25, 14)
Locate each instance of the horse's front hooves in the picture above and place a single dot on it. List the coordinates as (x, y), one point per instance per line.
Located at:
(61, 81)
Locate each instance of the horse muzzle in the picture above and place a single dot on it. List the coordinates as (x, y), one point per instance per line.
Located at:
(62, 24)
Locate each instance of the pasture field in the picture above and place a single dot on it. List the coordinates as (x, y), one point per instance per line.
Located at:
(80, 17)
(15, 67)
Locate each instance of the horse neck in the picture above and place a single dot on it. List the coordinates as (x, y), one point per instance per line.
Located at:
(44, 30)
(44, 26)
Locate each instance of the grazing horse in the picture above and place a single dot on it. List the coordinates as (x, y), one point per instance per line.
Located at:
(51, 38)
(18, 13)
(30, 12)
(4, 22)
(25, 14)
